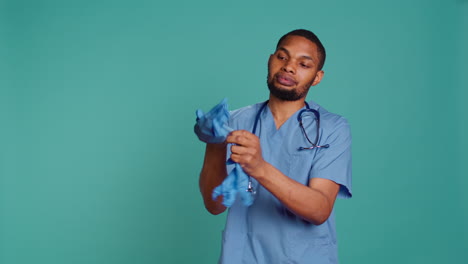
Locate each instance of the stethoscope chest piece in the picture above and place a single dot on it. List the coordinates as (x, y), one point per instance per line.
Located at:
(250, 189)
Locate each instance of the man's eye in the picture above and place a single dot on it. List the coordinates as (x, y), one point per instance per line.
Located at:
(281, 57)
(303, 65)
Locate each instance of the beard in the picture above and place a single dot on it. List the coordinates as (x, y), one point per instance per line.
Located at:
(287, 94)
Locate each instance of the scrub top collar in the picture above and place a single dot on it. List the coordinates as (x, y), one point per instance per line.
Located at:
(267, 114)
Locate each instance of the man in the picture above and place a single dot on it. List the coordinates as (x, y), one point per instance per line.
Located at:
(297, 171)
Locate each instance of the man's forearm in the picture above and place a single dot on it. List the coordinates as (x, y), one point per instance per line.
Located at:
(308, 202)
(213, 173)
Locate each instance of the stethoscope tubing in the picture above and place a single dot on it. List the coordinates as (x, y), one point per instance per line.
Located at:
(299, 119)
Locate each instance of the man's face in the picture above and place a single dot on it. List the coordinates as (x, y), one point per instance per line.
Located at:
(293, 68)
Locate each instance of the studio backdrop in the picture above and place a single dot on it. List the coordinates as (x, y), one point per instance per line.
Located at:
(99, 163)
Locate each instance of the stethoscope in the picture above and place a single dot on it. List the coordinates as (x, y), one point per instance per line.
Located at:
(299, 119)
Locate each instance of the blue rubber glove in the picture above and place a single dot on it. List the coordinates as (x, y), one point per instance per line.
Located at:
(212, 127)
(236, 182)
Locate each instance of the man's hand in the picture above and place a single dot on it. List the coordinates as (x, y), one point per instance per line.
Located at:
(247, 152)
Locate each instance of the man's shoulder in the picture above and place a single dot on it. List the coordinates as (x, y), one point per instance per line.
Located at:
(327, 118)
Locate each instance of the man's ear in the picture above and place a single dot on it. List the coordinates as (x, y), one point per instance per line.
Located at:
(318, 77)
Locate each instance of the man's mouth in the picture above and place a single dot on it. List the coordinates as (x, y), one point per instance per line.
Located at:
(285, 80)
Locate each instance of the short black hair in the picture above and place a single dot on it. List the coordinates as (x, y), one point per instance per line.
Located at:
(310, 36)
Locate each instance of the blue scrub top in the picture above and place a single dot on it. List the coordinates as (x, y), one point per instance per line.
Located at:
(267, 232)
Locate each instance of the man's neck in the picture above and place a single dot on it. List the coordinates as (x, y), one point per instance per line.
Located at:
(283, 110)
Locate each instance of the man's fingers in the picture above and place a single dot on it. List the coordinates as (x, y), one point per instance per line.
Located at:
(243, 160)
(243, 150)
(237, 158)
(241, 133)
(238, 140)
(236, 149)
(241, 137)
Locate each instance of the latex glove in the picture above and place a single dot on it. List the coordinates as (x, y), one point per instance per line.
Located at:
(212, 127)
(236, 182)
(227, 189)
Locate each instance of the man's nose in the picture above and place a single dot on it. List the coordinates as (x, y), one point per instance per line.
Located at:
(288, 66)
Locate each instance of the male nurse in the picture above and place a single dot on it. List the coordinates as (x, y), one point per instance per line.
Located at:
(298, 161)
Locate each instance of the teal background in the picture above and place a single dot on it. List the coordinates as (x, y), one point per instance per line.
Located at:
(99, 164)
